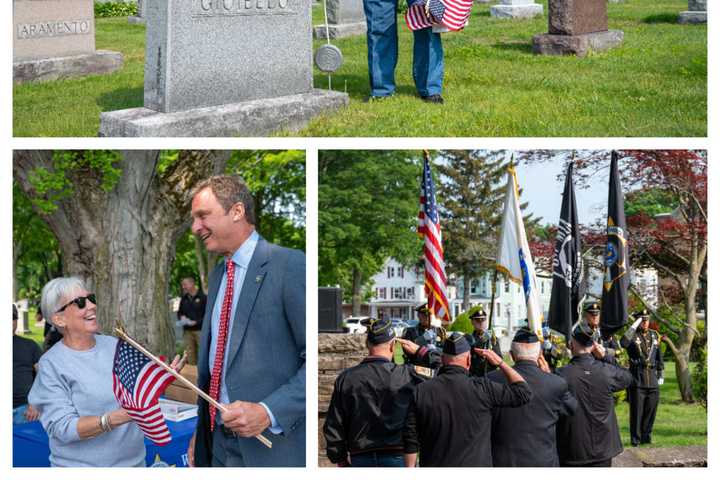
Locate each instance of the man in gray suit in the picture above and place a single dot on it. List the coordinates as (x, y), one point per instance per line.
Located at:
(252, 344)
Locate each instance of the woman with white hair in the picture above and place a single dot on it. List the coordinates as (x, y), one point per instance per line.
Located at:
(73, 390)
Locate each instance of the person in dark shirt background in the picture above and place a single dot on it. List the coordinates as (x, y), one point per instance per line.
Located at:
(26, 354)
(190, 316)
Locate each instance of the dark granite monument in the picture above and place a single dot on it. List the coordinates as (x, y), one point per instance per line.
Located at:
(576, 27)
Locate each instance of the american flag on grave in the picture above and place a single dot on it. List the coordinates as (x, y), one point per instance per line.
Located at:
(138, 382)
(429, 230)
(452, 14)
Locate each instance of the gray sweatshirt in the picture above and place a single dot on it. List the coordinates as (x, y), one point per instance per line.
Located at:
(71, 384)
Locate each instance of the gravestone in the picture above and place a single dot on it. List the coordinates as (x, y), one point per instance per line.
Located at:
(516, 9)
(23, 324)
(55, 39)
(346, 18)
(224, 68)
(139, 19)
(577, 27)
(696, 12)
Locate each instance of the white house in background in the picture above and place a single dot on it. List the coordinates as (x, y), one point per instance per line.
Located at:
(397, 290)
(510, 311)
(646, 280)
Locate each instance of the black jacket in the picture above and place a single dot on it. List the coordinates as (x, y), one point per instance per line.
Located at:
(646, 362)
(612, 349)
(450, 418)
(369, 404)
(479, 367)
(525, 436)
(193, 307)
(591, 434)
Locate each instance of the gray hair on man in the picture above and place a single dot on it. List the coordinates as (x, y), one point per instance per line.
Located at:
(525, 351)
(58, 292)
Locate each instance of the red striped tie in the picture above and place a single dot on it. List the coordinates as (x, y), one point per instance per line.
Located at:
(222, 336)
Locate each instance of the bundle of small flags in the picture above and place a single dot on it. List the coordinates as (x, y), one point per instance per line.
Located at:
(450, 14)
(138, 382)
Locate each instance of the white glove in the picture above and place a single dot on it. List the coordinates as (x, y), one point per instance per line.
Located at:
(661, 381)
(637, 323)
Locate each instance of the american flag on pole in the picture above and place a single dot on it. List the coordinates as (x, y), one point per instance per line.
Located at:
(137, 384)
(451, 14)
(429, 229)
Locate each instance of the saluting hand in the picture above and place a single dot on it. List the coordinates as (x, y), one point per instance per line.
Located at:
(408, 347)
(492, 358)
(245, 418)
(543, 364)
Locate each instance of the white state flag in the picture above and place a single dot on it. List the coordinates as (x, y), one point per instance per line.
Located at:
(514, 257)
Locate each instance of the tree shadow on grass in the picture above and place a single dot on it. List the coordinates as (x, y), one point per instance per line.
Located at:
(121, 98)
(662, 18)
(521, 47)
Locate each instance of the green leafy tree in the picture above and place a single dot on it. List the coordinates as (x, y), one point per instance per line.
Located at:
(117, 217)
(368, 205)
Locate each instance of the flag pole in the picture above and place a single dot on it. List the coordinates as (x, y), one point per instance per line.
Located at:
(492, 301)
(125, 337)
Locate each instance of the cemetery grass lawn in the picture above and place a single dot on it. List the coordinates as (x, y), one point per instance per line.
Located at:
(654, 85)
(676, 423)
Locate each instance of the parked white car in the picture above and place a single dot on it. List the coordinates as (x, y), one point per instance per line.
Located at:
(354, 324)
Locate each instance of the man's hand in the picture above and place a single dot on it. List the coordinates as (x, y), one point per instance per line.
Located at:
(191, 452)
(31, 413)
(493, 358)
(542, 363)
(245, 418)
(408, 347)
(598, 351)
(178, 363)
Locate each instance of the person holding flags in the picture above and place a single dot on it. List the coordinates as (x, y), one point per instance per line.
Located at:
(364, 423)
(590, 437)
(74, 392)
(646, 366)
(535, 422)
(484, 339)
(449, 420)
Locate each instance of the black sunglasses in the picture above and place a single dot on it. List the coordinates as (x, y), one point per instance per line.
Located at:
(80, 302)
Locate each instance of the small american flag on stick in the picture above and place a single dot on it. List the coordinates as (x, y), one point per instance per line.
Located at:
(138, 382)
(452, 14)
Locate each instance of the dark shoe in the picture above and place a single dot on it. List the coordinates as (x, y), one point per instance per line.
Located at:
(433, 99)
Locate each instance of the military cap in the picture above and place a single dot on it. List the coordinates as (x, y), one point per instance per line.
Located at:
(423, 309)
(15, 312)
(525, 335)
(380, 331)
(583, 334)
(591, 307)
(455, 344)
(479, 315)
(641, 313)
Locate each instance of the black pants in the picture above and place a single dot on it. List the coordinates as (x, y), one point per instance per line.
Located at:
(643, 407)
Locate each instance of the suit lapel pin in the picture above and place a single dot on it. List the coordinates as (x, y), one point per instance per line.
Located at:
(258, 279)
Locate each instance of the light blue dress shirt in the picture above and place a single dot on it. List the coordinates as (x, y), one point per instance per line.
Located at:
(241, 258)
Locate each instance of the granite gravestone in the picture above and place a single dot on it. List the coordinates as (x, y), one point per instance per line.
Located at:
(346, 18)
(577, 27)
(516, 9)
(696, 12)
(138, 19)
(225, 68)
(55, 39)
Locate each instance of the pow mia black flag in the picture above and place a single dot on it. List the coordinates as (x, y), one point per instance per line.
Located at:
(568, 287)
(617, 261)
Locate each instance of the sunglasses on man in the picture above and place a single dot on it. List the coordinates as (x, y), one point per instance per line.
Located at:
(80, 302)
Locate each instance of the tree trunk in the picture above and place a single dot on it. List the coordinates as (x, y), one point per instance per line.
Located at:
(201, 258)
(122, 241)
(356, 292)
(466, 291)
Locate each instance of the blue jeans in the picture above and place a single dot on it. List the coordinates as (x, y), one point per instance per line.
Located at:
(428, 63)
(382, 45)
(377, 459)
(19, 415)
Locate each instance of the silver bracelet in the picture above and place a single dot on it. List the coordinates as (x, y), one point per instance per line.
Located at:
(104, 423)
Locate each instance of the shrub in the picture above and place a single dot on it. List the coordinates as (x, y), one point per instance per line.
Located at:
(115, 9)
(699, 378)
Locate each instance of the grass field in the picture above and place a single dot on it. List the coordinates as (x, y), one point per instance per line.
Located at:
(654, 85)
(676, 423)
